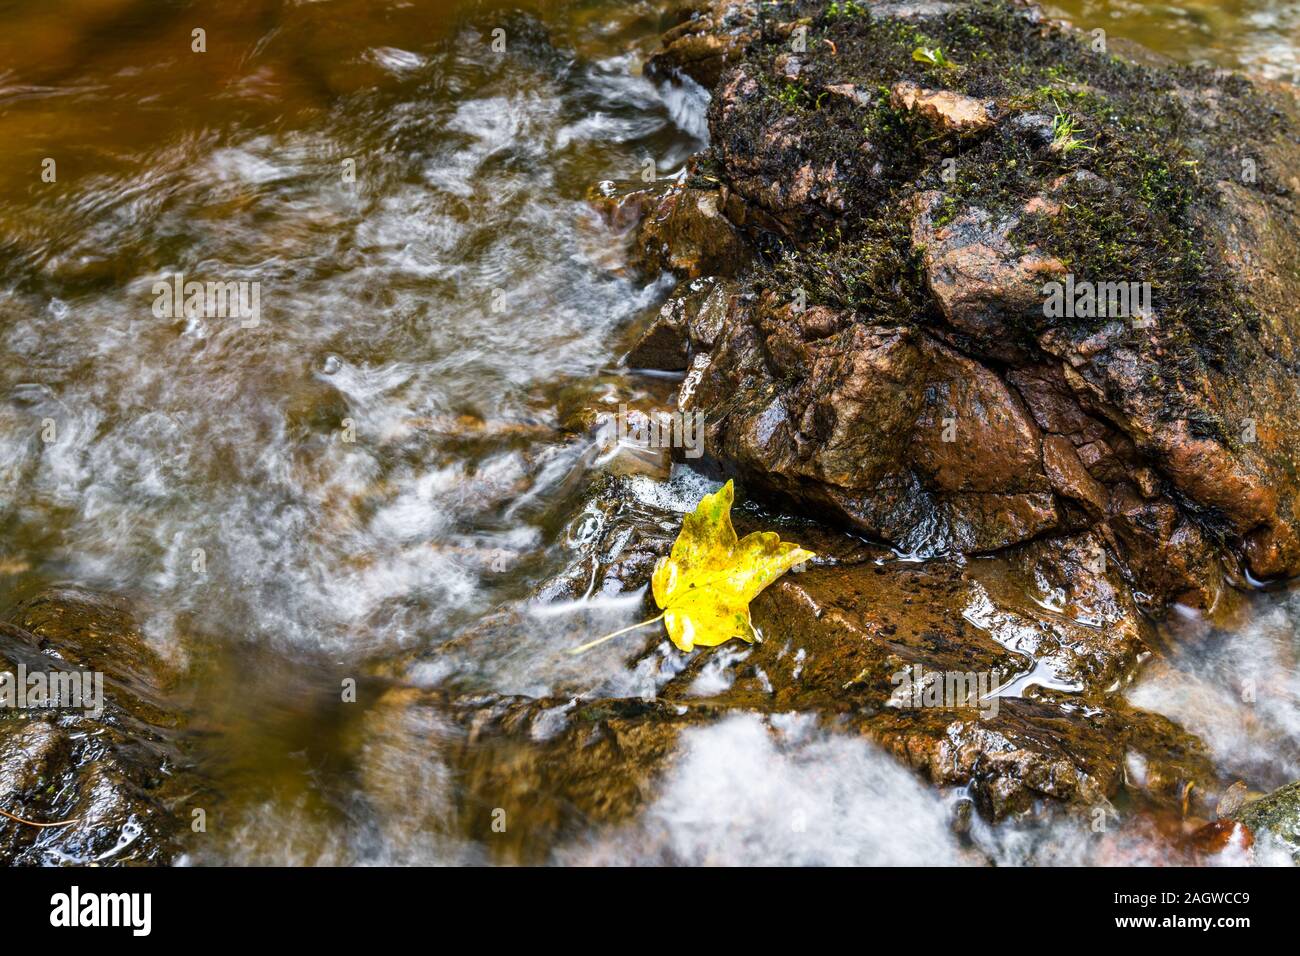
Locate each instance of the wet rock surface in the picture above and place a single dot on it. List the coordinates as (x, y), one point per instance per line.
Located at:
(1161, 426)
(885, 428)
(686, 232)
(526, 773)
(704, 39)
(884, 358)
(1035, 728)
(688, 324)
(1275, 817)
(117, 772)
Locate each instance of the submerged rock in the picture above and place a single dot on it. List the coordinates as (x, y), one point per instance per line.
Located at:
(115, 771)
(951, 666)
(852, 637)
(518, 775)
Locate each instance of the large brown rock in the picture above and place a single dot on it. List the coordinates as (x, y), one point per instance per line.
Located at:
(896, 372)
(1170, 435)
(887, 429)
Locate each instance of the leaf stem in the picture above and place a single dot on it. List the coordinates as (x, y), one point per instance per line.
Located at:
(33, 823)
(601, 640)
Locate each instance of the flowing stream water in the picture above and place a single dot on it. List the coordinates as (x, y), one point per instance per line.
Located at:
(371, 463)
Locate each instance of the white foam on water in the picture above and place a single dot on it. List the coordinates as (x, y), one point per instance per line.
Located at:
(1238, 690)
(396, 60)
(742, 793)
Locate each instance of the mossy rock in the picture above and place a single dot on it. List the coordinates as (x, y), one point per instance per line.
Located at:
(1275, 817)
(877, 204)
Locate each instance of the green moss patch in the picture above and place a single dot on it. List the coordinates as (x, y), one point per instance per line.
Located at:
(1121, 149)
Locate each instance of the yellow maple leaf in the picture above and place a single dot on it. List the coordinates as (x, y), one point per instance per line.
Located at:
(705, 585)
